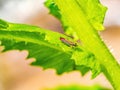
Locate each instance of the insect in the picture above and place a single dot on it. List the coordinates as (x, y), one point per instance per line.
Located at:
(68, 43)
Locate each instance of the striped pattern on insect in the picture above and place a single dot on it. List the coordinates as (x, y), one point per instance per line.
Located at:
(68, 43)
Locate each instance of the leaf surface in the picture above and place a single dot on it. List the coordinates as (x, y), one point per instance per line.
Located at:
(75, 87)
(47, 48)
(93, 10)
(81, 19)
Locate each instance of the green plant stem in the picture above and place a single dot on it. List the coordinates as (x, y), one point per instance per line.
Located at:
(90, 39)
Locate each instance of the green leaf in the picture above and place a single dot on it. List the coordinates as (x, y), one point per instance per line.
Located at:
(92, 62)
(54, 10)
(48, 53)
(76, 87)
(93, 11)
(47, 48)
(3, 24)
(74, 13)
